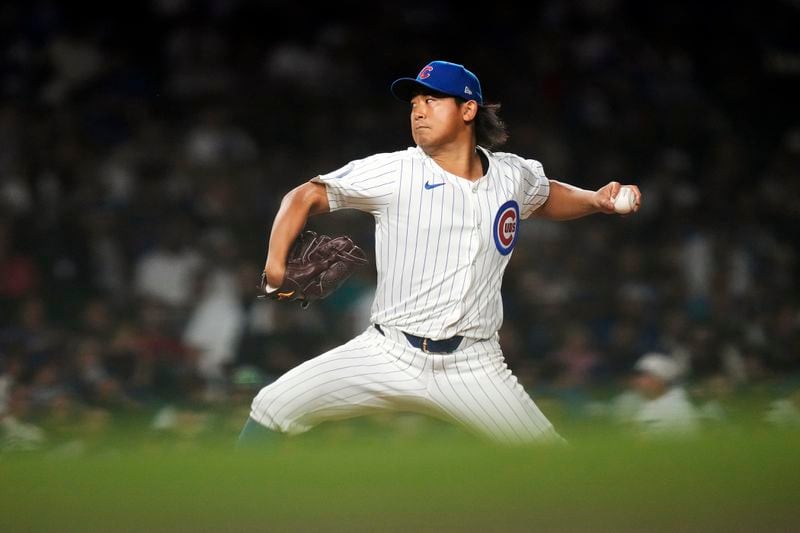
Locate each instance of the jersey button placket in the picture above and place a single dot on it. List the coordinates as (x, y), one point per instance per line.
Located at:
(476, 213)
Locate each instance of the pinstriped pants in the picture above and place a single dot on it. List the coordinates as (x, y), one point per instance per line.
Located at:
(471, 387)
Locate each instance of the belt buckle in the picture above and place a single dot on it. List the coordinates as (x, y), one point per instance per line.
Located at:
(425, 345)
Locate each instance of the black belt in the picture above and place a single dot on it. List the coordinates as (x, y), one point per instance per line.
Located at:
(429, 345)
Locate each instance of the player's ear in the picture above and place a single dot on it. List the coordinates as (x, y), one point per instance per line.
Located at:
(469, 110)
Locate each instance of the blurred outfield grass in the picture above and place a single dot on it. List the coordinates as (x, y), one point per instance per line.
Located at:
(356, 476)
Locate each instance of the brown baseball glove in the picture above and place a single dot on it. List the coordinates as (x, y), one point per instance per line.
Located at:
(316, 267)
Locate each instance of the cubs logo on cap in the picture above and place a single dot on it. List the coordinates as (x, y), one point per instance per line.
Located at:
(505, 227)
(441, 77)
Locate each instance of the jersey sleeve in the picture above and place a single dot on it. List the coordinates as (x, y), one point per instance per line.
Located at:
(365, 184)
(535, 186)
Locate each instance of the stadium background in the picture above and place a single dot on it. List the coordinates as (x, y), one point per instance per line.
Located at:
(145, 147)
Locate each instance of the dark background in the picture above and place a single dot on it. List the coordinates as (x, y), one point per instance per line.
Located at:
(147, 142)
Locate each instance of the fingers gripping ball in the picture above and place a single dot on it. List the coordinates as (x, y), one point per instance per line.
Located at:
(625, 200)
(317, 266)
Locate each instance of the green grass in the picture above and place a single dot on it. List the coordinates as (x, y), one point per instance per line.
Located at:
(351, 477)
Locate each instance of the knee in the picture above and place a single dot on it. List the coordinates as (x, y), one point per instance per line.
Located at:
(271, 410)
(265, 408)
(280, 407)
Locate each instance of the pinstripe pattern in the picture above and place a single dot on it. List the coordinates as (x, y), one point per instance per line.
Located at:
(439, 272)
(470, 387)
(440, 266)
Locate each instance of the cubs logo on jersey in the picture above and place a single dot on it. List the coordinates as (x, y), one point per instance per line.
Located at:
(505, 227)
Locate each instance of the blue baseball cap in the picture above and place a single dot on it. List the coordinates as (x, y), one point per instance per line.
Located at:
(442, 77)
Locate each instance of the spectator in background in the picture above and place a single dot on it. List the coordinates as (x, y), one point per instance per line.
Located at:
(33, 333)
(17, 433)
(92, 380)
(665, 408)
(19, 274)
(216, 140)
(784, 412)
(167, 273)
(167, 365)
(216, 323)
(577, 359)
(714, 397)
(107, 258)
(10, 370)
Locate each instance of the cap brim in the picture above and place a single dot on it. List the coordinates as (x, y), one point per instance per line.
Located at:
(404, 88)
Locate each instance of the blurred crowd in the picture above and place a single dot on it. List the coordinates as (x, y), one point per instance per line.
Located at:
(144, 151)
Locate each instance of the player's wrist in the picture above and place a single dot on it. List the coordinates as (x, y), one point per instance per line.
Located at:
(601, 201)
(274, 273)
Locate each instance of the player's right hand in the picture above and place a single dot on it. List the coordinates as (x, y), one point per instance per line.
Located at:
(604, 197)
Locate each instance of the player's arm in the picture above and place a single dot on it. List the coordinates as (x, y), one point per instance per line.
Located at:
(297, 205)
(567, 202)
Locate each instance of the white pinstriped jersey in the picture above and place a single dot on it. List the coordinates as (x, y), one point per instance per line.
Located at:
(442, 242)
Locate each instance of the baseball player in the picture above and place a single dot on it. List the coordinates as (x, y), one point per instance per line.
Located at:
(447, 214)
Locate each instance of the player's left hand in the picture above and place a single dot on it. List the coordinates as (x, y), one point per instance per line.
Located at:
(604, 197)
(316, 267)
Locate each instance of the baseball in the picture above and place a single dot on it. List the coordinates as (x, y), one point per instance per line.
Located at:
(624, 201)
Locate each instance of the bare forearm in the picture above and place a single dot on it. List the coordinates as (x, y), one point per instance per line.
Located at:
(298, 204)
(290, 219)
(567, 202)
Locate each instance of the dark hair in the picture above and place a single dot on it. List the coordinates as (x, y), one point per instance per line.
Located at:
(490, 130)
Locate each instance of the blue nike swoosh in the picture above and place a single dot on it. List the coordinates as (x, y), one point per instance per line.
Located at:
(430, 186)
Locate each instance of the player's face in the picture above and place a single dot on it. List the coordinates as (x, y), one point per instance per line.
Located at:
(648, 386)
(435, 120)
